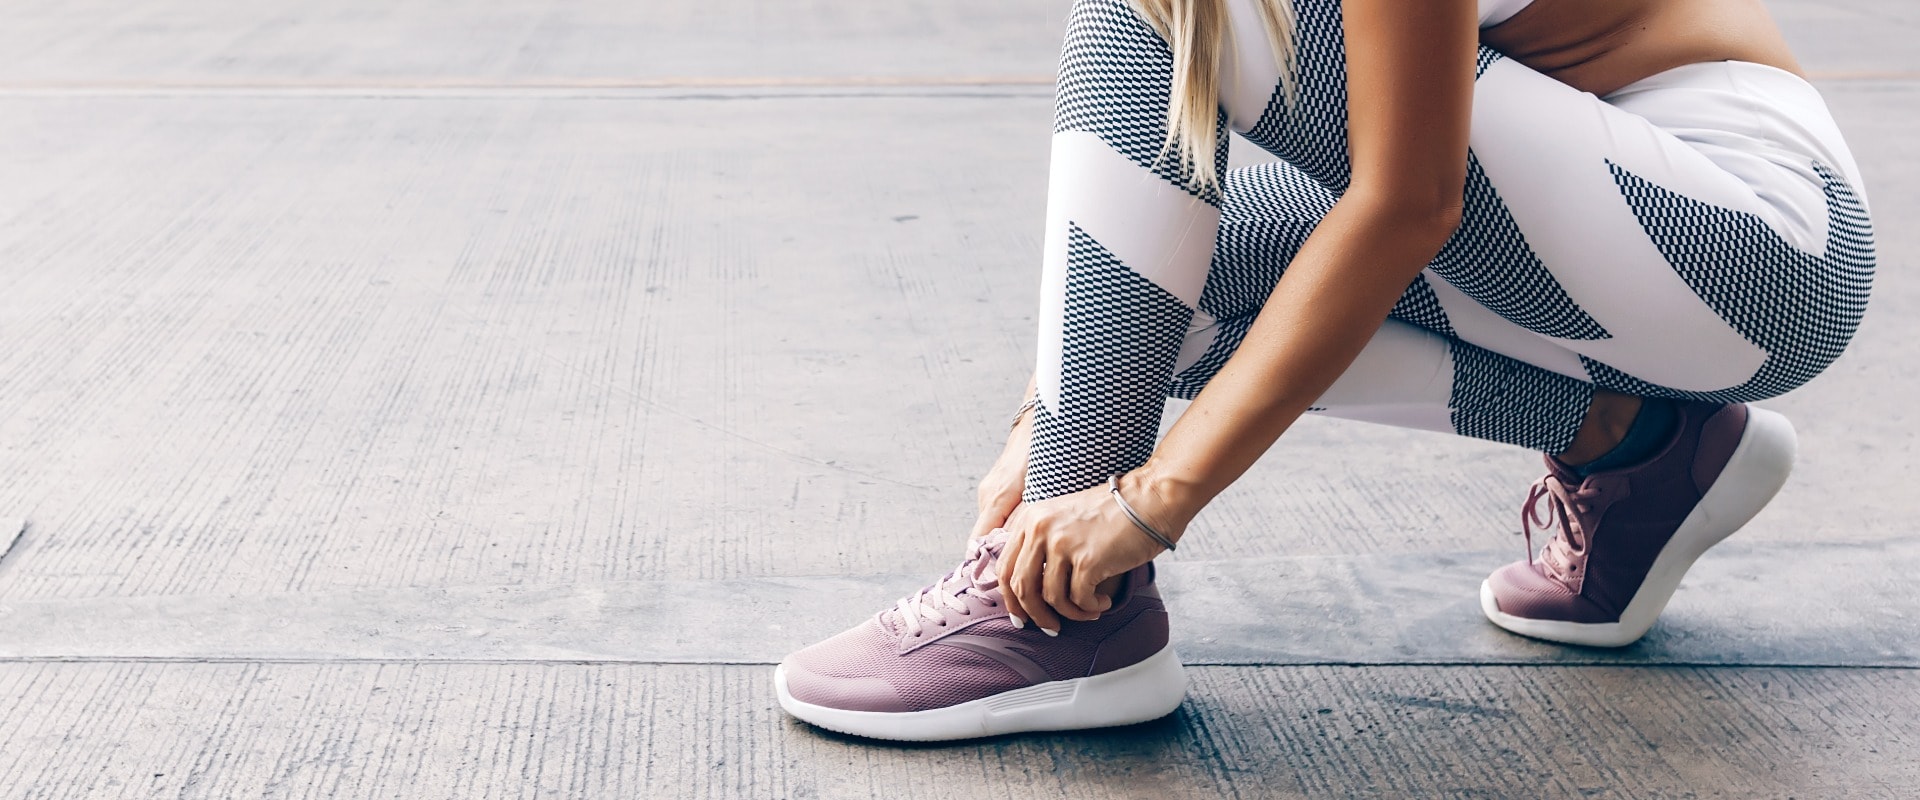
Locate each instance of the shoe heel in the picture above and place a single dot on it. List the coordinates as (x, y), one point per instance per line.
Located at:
(1757, 470)
(1145, 691)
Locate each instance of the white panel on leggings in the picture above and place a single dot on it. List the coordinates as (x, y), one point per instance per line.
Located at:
(1763, 126)
(1157, 229)
(1475, 324)
(1494, 12)
(1249, 75)
(1201, 331)
(1404, 377)
(1546, 147)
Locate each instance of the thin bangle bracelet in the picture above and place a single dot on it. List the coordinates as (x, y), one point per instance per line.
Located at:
(1021, 412)
(1113, 488)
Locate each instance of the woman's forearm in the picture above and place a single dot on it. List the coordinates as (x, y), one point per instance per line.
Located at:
(1330, 302)
(1408, 120)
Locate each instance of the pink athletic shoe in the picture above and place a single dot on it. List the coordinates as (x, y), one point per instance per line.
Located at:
(1625, 537)
(945, 663)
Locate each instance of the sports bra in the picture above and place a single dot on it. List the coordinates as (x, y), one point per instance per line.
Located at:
(1494, 12)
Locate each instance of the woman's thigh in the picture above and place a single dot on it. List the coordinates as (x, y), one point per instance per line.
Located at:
(1607, 245)
(1636, 249)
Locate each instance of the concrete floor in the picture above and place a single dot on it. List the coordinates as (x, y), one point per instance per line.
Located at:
(471, 400)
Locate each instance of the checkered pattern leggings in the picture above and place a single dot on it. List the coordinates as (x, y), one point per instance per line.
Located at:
(1699, 234)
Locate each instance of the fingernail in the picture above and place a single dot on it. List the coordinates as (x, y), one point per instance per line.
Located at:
(1049, 631)
(1017, 622)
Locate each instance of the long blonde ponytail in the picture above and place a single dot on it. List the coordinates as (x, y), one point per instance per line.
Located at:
(1196, 31)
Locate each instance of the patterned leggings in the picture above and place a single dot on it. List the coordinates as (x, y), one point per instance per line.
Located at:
(1699, 234)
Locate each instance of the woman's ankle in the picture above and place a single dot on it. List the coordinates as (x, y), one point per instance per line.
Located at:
(1648, 432)
(1609, 416)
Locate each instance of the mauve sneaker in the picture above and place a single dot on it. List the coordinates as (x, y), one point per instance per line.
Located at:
(945, 663)
(1625, 537)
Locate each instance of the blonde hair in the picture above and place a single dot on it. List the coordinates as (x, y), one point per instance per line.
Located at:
(1196, 30)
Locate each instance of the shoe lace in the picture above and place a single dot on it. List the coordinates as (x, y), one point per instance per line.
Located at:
(1566, 513)
(974, 577)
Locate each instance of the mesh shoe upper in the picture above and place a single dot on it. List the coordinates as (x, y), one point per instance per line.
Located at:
(951, 643)
(1612, 525)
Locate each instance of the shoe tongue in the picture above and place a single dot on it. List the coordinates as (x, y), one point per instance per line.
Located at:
(1568, 475)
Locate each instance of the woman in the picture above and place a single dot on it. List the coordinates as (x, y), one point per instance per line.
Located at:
(1594, 229)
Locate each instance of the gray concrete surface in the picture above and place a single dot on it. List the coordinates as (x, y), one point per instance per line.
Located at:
(468, 399)
(1416, 608)
(403, 730)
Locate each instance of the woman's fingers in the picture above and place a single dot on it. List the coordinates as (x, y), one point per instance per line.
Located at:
(1010, 564)
(1063, 557)
(1028, 582)
(1085, 593)
(1058, 576)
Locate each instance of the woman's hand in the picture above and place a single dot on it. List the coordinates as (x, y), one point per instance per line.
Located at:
(1060, 550)
(1000, 488)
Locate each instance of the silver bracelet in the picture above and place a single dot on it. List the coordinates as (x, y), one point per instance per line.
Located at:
(1021, 412)
(1113, 488)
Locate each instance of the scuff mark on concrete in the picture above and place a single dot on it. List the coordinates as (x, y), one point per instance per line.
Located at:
(10, 530)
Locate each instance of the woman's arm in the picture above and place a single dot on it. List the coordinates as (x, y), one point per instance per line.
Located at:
(1410, 96)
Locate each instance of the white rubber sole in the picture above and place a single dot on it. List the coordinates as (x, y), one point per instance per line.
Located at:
(1148, 690)
(1758, 468)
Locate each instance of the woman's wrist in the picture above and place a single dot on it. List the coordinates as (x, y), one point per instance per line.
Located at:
(1022, 415)
(1168, 500)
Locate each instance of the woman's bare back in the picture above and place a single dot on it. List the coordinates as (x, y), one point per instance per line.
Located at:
(1599, 46)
